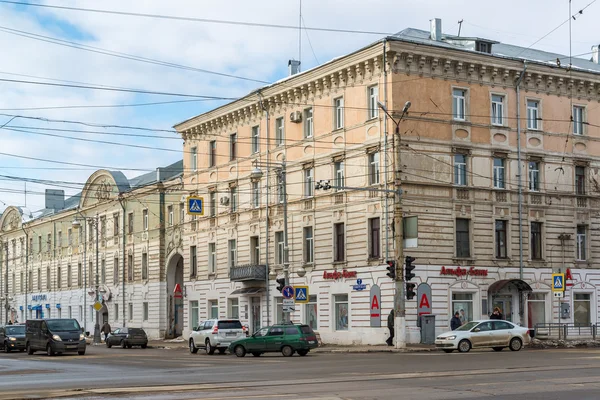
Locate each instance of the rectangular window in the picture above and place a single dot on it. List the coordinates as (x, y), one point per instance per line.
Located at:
(39, 279)
(130, 311)
(497, 109)
(279, 241)
(60, 239)
(311, 314)
(279, 132)
(373, 93)
(145, 216)
(212, 153)
(213, 309)
(130, 267)
(309, 182)
(463, 304)
(255, 139)
(145, 316)
(463, 245)
(193, 262)
(279, 315)
(144, 266)
(48, 243)
(103, 271)
(116, 311)
(90, 273)
(30, 281)
(233, 309)
(307, 233)
(339, 242)
(170, 215)
(374, 238)
(533, 114)
(580, 180)
(338, 182)
(58, 277)
(536, 307)
(233, 196)
(213, 203)
(501, 239)
(69, 237)
(460, 169)
(255, 194)
(338, 105)
(308, 123)
(578, 121)
(40, 243)
(79, 275)
(499, 173)
(534, 176)
(374, 168)
(102, 229)
(458, 104)
(69, 275)
(70, 313)
(212, 257)
(116, 224)
(194, 157)
(280, 190)
(340, 303)
(232, 146)
(232, 246)
(116, 270)
(254, 250)
(536, 240)
(130, 223)
(582, 309)
(581, 242)
(194, 314)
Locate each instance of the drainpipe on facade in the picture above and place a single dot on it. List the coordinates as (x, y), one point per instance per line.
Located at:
(520, 190)
(385, 149)
(122, 203)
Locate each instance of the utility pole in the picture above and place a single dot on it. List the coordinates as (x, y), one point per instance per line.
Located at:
(97, 326)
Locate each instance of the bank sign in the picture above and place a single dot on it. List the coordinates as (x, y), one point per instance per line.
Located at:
(39, 297)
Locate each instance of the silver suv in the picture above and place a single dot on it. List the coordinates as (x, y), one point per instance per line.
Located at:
(216, 334)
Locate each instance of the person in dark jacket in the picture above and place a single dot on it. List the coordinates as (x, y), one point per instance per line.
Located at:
(496, 314)
(455, 321)
(390, 324)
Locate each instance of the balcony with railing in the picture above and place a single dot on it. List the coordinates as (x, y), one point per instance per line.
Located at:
(248, 272)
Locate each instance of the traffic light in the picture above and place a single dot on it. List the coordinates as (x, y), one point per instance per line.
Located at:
(391, 268)
(280, 284)
(410, 290)
(408, 274)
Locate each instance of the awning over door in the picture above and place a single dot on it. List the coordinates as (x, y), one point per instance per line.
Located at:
(249, 290)
(521, 285)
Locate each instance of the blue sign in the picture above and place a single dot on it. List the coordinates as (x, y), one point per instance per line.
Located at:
(301, 294)
(38, 297)
(58, 305)
(558, 282)
(48, 306)
(288, 292)
(29, 306)
(195, 205)
(21, 308)
(359, 285)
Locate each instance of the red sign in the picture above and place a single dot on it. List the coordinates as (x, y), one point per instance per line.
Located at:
(458, 271)
(375, 309)
(177, 292)
(568, 277)
(335, 275)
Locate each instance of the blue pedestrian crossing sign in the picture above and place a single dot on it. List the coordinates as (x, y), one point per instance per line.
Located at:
(195, 205)
(301, 294)
(558, 282)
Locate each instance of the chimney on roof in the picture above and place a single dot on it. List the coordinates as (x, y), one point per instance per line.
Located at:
(595, 57)
(55, 199)
(436, 29)
(294, 67)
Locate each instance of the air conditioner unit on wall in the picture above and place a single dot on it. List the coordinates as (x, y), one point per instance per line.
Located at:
(224, 200)
(296, 117)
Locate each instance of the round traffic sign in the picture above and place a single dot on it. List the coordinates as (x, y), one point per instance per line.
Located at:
(288, 292)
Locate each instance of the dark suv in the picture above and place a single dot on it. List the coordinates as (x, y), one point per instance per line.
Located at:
(12, 337)
(54, 336)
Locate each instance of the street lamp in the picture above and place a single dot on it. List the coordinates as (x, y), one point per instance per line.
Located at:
(77, 225)
(399, 292)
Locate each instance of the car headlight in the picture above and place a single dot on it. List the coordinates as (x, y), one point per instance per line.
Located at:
(57, 338)
(12, 339)
(447, 337)
(81, 336)
(127, 337)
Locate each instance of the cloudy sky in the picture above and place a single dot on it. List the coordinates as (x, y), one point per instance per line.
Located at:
(49, 45)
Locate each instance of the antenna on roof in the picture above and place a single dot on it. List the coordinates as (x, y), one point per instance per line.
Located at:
(460, 26)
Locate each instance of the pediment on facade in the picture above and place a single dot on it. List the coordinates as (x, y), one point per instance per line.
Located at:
(103, 186)
(11, 219)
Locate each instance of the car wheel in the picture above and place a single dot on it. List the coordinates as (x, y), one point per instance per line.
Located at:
(6, 348)
(515, 344)
(29, 349)
(498, 348)
(123, 345)
(49, 350)
(210, 350)
(193, 348)
(222, 351)
(464, 346)
(448, 350)
(144, 346)
(81, 352)
(287, 351)
(239, 351)
(108, 344)
(256, 353)
(302, 352)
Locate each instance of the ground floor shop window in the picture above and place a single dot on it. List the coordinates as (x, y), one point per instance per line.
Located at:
(194, 314)
(463, 303)
(341, 312)
(310, 314)
(536, 309)
(213, 309)
(581, 308)
(234, 308)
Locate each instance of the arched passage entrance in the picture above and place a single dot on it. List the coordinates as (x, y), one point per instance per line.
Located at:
(174, 305)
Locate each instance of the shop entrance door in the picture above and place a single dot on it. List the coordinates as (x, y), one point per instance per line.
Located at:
(504, 303)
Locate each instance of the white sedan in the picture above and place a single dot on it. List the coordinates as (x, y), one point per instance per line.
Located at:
(496, 334)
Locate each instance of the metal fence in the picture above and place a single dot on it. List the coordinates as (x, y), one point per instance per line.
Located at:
(566, 331)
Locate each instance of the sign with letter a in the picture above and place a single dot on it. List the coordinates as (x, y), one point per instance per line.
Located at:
(375, 306)
(424, 299)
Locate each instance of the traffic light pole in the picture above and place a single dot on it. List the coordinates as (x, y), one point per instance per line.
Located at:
(399, 294)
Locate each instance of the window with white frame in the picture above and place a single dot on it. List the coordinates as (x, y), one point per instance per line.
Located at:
(212, 153)
(534, 176)
(582, 307)
(458, 104)
(170, 215)
(499, 173)
(536, 241)
(145, 218)
(213, 202)
(232, 246)
(279, 132)
(339, 242)
(311, 313)
(374, 168)
(115, 270)
(373, 93)
(374, 238)
(279, 242)
(501, 245)
(463, 243)
(233, 198)
(340, 304)
(194, 156)
(497, 109)
(212, 257)
(580, 180)
(232, 146)
(233, 308)
(309, 182)
(255, 139)
(460, 169)
(578, 121)
(533, 114)
(338, 181)
(145, 313)
(193, 261)
(308, 123)
(338, 105)
(130, 311)
(194, 314)
(213, 308)
(144, 266)
(463, 304)
(256, 194)
(581, 242)
(307, 234)
(254, 250)
(279, 314)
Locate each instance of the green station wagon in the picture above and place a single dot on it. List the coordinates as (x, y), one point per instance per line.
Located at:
(286, 339)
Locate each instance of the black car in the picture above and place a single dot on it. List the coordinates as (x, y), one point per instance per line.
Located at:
(54, 336)
(12, 337)
(127, 338)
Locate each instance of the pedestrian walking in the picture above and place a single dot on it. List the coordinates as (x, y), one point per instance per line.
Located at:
(496, 314)
(390, 324)
(455, 321)
(106, 329)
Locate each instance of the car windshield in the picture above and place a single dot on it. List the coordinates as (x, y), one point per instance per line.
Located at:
(63, 325)
(233, 324)
(468, 326)
(262, 332)
(15, 330)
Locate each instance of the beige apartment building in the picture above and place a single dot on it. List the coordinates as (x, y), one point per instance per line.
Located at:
(125, 232)
(487, 121)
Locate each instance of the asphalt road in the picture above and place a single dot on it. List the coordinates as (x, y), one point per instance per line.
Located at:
(177, 374)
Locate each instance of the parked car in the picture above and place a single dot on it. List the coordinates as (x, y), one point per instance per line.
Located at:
(496, 334)
(12, 337)
(286, 339)
(54, 336)
(127, 338)
(216, 334)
